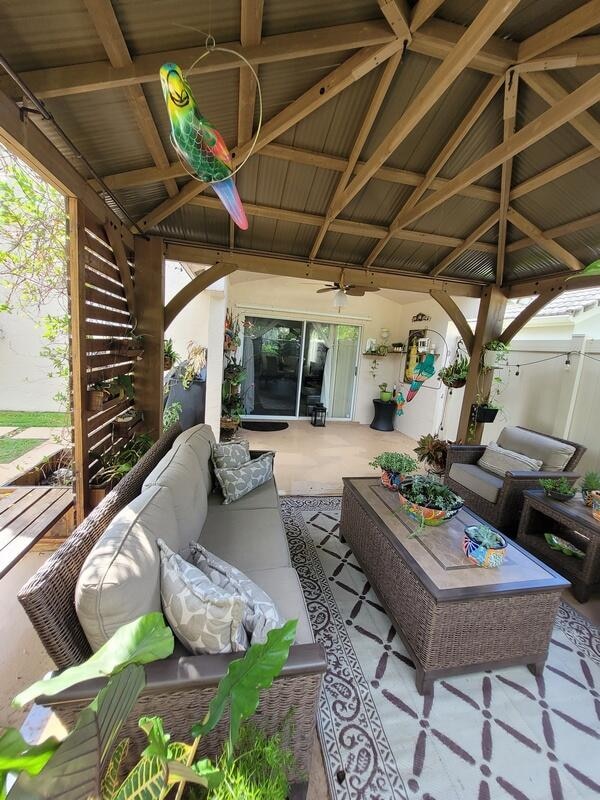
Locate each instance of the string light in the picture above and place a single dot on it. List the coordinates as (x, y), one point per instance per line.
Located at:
(568, 362)
(517, 373)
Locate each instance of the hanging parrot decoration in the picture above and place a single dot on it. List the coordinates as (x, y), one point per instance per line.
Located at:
(400, 401)
(199, 145)
(423, 370)
(591, 269)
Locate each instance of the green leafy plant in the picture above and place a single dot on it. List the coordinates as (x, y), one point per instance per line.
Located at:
(455, 373)
(400, 463)
(590, 482)
(433, 451)
(485, 536)
(116, 465)
(88, 762)
(383, 386)
(169, 351)
(558, 485)
(497, 346)
(171, 415)
(429, 493)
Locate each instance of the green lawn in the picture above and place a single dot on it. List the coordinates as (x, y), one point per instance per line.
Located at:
(34, 419)
(14, 448)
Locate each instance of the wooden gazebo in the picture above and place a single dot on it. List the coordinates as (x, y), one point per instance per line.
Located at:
(443, 146)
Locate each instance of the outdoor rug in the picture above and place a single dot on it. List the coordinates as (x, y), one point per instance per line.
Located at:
(494, 735)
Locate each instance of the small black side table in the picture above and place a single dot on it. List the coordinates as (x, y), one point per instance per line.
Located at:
(384, 415)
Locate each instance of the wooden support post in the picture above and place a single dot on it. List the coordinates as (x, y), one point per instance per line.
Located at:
(78, 354)
(149, 293)
(489, 326)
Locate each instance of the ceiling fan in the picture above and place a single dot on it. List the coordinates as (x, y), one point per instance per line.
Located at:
(350, 289)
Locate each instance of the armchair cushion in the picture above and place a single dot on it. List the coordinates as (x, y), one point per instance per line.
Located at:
(477, 480)
(500, 461)
(553, 453)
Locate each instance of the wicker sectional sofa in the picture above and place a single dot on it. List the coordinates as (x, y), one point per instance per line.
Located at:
(249, 534)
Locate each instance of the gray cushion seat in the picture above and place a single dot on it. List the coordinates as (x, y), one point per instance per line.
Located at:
(283, 587)
(478, 480)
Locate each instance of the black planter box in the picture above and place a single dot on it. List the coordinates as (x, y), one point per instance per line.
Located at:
(483, 413)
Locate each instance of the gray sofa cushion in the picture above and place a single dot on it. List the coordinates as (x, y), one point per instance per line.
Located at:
(201, 439)
(283, 587)
(553, 454)
(264, 496)
(248, 539)
(477, 480)
(180, 471)
(119, 580)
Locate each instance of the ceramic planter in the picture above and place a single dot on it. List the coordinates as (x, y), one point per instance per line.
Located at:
(493, 358)
(428, 516)
(385, 397)
(480, 554)
(391, 480)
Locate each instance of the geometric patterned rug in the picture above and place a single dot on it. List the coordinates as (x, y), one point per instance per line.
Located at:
(496, 735)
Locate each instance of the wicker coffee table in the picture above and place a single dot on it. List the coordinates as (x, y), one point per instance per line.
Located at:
(452, 616)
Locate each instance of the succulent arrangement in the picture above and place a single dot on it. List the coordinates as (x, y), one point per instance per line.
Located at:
(485, 536)
(384, 394)
(455, 374)
(590, 483)
(484, 546)
(432, 451)
(558, 488)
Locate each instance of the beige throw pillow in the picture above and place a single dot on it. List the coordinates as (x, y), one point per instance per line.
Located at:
(204, 617)
(500, 461)
(260, 612)
(235, 483)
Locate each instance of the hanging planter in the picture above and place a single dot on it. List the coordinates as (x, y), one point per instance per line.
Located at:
(495, 354)
(483, 413)
(454, 376)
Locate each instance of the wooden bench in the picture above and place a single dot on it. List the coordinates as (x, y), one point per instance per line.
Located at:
(26, 514)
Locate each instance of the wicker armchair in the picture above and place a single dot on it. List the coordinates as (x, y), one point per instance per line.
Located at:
(178, 688)
(505, 511)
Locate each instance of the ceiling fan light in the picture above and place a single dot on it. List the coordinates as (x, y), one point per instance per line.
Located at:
(340, 299)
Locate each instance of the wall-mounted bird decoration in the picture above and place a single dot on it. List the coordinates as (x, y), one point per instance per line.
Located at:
(199, 145)
(422, 371)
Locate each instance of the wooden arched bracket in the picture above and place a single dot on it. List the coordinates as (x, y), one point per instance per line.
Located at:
(457, 317)
(201, 282)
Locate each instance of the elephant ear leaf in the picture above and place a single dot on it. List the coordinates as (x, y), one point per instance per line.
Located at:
(146, 639)
(76, 768)
(16, 755)
(112, 777)
(245, 678)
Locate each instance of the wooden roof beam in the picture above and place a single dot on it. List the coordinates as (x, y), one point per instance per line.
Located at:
(558, 282)
(468, 243)
(423, 10)
(250, 34)
(330, 86)
(549, 245)
(584, 50)
(511, 87)
(581, 224)
(555, 172)
(442, 157)
(578, 21)
(397, 14)
(483, 26)
(574, 104)
(359, 142)
(270, 264)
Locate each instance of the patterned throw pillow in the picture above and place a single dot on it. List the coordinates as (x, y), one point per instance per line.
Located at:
(204, 617)
(230, 455)
(235, 483)
(260, 613)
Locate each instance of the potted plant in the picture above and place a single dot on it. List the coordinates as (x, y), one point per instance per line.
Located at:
(98, 395)
(589, 484)
(495, 354)
(432, 451)
(428, 501)
(170, 356)
(484, 546)
(454, 376)
(115, 466)
(125, 421)
(395, 467)
(133, 348)
(483, 412)
(558, 488)
(384, 395)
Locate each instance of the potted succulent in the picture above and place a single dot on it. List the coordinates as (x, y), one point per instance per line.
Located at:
(428, 501)
(395, 467)
(484, 546)
(433, 451)
(384, 395)
(558, 488)
(169, 354)
(589, 484)
(495, 354)
(454, 376)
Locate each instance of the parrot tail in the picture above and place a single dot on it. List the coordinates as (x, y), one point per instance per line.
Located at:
(228, 195)
(414, 388)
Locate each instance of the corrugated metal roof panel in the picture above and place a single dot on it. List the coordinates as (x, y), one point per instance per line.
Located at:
(139, 200)
(411, 256)
(532, 261)
(285, 15)
(473, 265)
(585, 245)
(341, 247)
(458, 216)
(276, 236)
(377, 203)
(197, 224)
(483, 137)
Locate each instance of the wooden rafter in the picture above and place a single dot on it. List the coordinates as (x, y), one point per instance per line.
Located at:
(485, 23)
(250, 34)
(350, 227)
(330, 86)
(109, 32)
(552, 92)
(511, 86)
(541, 300)
(397, 14)
(468, 243)
(582, 98)
(442, 157)
(580, 224)
(584, 49)
(113, 234)
(359, 142)
(456, 315)
(526, 287)
(549, 245)
(423, 10)
(578, 21)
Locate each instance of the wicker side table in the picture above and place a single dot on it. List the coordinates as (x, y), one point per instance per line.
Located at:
(572, 521)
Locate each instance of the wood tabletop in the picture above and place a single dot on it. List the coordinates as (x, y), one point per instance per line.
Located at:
(572, 511)
(26, 514)
(436, 554)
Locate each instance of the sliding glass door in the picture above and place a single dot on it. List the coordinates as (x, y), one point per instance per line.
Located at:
(292, 365)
